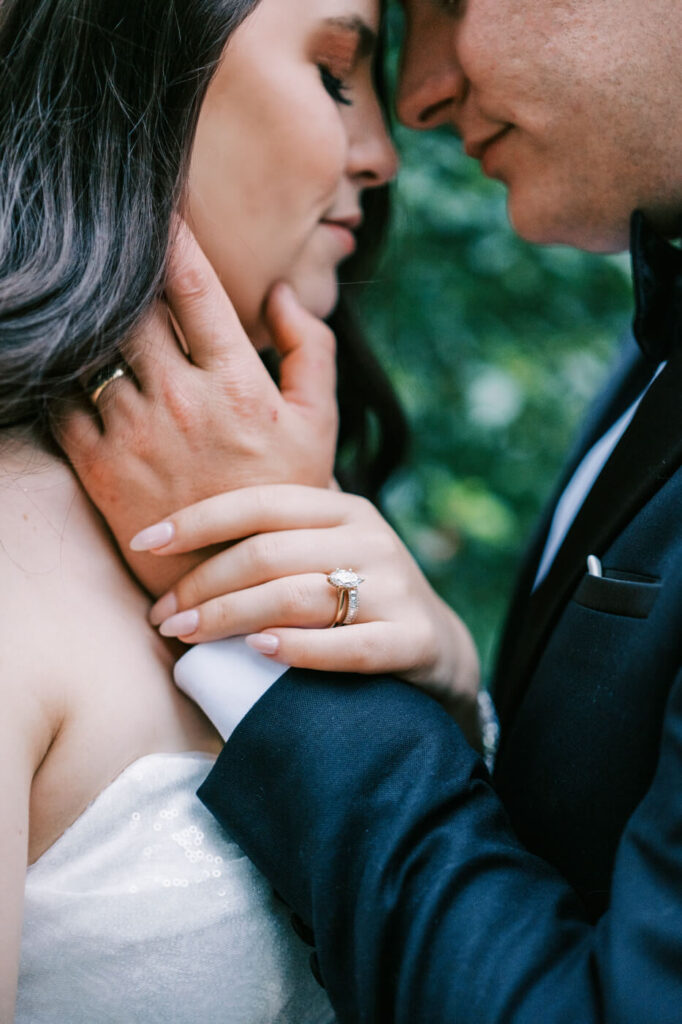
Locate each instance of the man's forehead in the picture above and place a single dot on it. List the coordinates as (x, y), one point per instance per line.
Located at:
(442, 6)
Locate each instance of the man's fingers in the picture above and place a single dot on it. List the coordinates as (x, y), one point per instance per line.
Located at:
(118, 404)
(308, 350)
(77, 429)
(205, 315)
(239, 514)
(154, 352)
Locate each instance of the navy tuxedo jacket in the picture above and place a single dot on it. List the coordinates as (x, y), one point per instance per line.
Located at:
(553, 892)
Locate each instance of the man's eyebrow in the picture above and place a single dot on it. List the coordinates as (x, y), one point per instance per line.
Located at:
(367, 37)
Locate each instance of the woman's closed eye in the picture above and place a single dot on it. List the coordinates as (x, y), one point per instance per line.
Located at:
(338, 48)
(335, 86)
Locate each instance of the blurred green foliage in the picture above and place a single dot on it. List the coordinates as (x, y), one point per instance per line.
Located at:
(495, 348)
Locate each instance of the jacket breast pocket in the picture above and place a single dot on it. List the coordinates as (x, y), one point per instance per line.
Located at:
(618, 593)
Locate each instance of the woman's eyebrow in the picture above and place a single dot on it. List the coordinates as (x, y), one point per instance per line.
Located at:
(367, 38)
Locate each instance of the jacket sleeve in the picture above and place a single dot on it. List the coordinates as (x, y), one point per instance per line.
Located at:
(363, 804)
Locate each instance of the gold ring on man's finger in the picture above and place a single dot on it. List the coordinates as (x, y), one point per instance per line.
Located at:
(98, 384)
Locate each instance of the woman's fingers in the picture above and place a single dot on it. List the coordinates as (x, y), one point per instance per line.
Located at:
(239, 514)
(308, 350)
(254, 561)
(305, 601)
(368, 648)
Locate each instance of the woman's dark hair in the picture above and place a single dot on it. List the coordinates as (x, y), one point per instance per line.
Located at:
(373, 432)
(99, 101)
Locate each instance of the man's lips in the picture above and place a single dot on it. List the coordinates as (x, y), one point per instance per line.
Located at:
(477, 148)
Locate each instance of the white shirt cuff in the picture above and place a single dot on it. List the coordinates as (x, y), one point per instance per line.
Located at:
(226, 679)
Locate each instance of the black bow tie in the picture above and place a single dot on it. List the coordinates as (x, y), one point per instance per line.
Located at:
(657, 273)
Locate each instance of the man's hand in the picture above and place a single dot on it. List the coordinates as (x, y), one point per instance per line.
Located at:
(188, 428)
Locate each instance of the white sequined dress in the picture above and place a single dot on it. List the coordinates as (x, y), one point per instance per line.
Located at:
(144, 911)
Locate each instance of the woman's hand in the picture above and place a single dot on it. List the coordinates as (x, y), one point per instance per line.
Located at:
(186, 428)
(271, 584)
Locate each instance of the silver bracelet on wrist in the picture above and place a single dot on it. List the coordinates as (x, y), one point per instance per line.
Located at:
(489, 727)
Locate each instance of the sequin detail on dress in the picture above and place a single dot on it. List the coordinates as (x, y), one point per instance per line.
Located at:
(145, 911)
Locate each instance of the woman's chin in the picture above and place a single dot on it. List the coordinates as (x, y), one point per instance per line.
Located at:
(319, 297)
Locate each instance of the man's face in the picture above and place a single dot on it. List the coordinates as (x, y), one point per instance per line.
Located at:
(573, 104)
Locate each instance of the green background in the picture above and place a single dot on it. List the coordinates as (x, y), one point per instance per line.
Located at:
(495, 348)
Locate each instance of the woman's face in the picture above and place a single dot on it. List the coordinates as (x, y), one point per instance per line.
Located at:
(289, 136)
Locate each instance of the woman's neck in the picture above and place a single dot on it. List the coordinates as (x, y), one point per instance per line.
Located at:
(23, 450)
(40, 501)
(29, 466)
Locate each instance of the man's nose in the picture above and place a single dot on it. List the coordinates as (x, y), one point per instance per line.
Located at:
(431, 85)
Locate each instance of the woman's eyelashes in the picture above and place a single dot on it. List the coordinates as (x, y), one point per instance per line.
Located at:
(338, 49)
(335, 86)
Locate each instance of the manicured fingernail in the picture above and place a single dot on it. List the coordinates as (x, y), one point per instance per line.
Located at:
(264, 643)
(183, 624)
(153, 537)
(163, 609)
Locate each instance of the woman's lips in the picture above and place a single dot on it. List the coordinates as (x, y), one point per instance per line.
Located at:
(344, 234)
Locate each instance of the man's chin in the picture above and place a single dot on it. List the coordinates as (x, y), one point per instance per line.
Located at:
(543, 226)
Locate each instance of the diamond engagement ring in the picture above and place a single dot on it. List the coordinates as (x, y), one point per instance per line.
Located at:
(346, 583)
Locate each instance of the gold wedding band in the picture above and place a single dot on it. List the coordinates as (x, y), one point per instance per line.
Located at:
(101, 381)
(346, 583)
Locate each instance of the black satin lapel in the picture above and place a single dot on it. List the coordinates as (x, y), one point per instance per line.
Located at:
(648, 454)
(630, 376)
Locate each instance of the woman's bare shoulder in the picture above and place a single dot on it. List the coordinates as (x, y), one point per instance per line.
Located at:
(38, 497)
(64, 587)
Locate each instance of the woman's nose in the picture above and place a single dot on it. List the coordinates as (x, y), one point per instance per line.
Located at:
(373, 159)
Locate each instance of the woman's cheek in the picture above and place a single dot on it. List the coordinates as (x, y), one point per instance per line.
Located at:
(324, 155)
